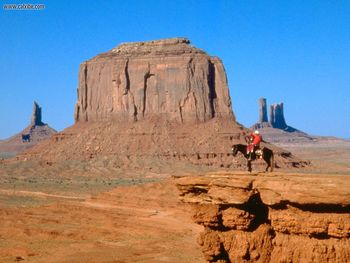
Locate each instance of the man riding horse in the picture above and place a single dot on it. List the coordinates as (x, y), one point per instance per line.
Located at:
(253, 146)
(252, 151)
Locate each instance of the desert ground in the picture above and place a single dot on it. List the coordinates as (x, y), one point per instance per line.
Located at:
(328, 155)
(128, 218)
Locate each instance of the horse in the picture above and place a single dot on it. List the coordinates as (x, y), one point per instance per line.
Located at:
(267, 155)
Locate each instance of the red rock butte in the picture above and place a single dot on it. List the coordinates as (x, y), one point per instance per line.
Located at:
(168, 79)
(156, 100)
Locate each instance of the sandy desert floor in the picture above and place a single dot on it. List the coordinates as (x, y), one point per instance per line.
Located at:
(134, 223)
(327, 156)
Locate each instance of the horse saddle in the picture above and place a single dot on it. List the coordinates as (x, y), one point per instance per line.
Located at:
(259, 152)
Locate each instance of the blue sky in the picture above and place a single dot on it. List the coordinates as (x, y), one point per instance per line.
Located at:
(293, 51)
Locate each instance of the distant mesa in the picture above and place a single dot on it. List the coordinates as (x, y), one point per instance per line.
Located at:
(164, 79)
(35, 132)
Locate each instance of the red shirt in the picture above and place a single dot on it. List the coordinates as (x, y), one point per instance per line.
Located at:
(256, 139)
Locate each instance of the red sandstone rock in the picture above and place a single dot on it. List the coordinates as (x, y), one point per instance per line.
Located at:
(234, 218)
(165, 79)
(280, 222)
(207, 215)
(296, 221)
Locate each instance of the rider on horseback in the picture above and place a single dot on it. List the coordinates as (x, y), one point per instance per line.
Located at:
(253, 141)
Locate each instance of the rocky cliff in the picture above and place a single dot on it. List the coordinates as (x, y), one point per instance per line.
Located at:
(168, 79)
(277, 218)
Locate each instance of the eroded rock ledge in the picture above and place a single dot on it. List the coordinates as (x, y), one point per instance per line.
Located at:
(271, 218)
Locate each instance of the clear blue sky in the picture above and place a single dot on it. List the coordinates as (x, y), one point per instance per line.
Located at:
(293, 51)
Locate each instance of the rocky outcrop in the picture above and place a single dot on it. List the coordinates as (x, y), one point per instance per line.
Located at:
(167, 79)
(263, 119)
(277, 131)
(34, 133)
(262, 111)
(36, 115)
(278, 218)
(277, 116)
(277, 120)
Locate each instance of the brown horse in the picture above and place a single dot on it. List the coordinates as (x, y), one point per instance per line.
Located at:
(267, 156)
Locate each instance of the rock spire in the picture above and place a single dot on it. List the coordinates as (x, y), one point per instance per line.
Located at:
(262, 110)
(36, 115)
(277, 119)
(277, 116)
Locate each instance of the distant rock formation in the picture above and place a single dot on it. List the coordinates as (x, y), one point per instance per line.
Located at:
(276, 129)
(263, 119)
(262, 110)
(277, 116)
(36, 116)
(277, 119)
(164, 79)
(161, 101)
(36, 132)
(246, 218)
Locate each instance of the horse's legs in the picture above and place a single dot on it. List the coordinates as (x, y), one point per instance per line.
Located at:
(249, 164)
(267, 168)
(272, 164)
(268, 162)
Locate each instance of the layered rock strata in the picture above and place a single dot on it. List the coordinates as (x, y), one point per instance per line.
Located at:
(279, 218)
(167, 79)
